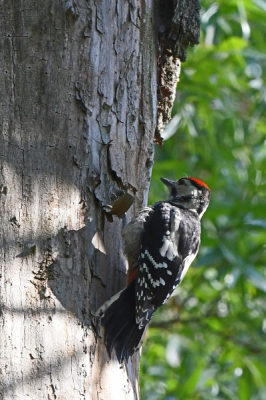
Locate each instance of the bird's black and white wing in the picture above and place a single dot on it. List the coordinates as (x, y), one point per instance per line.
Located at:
(169, 244)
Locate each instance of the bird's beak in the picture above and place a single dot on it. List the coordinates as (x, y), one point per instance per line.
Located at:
(170, 184)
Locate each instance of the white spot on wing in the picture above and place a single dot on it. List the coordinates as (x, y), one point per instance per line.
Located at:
(169, 247)
(187, 262)
(154, 263)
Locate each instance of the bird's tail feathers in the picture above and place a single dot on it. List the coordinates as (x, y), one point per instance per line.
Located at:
(121, 331)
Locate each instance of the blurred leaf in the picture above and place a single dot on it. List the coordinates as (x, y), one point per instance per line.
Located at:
(217, 135)
(192, 380)
(255, 277)
(244, 391)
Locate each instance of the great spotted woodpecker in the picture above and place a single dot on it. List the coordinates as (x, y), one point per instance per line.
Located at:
(160, 243)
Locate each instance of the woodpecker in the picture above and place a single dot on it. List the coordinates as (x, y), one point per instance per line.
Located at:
(161, 242)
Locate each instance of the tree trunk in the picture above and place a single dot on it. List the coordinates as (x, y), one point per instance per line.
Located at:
(78, 116)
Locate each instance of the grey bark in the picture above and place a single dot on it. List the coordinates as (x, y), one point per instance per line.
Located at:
(78, 87)
(77, 115)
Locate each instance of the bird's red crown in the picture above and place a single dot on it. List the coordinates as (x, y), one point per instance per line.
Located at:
(199, 182)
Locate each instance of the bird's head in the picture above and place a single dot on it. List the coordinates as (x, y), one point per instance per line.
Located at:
(189, 193)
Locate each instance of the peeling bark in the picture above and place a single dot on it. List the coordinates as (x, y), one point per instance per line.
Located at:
(78, 87)
(75, 90)
(178, 28)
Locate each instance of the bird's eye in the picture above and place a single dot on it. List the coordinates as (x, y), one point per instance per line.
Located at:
(182, 182)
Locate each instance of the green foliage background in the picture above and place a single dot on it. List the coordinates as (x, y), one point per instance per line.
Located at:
(209, 340)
